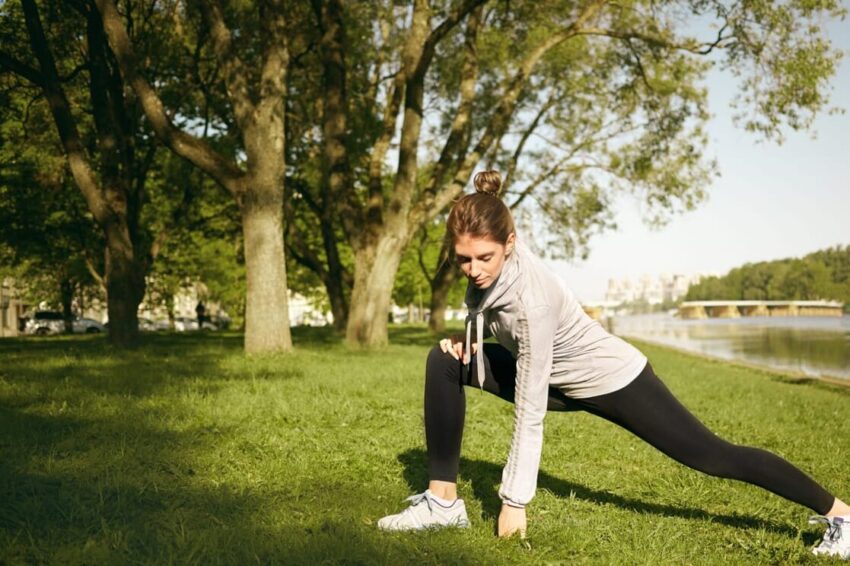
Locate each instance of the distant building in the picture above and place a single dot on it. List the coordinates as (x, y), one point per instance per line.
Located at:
(303, 312)
(12, 308)
(653, 290)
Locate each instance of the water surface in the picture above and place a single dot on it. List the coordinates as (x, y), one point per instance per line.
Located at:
(814, 346)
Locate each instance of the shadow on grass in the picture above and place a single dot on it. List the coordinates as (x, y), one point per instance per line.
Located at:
(833, 385)
(161, 361)
(485, 478)
(122, 489)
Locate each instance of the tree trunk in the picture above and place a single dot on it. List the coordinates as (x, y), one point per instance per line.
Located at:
(443, 280)
(169, 308)
(335, 275)
(125, 286)
(375, 269)
(266, 307)
(339, 307)
(336, 175)
(66, 290)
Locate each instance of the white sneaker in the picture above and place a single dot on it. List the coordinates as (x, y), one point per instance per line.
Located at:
(836, 540)
(426, 513)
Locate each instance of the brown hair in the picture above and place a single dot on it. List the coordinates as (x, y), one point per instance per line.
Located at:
(481, 214)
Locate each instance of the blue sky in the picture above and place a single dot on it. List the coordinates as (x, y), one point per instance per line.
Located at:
(769, 202)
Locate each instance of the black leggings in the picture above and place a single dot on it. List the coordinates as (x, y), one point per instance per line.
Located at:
(644, 407)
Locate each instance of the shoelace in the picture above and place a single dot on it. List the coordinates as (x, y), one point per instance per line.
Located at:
(414, 501)
(418, 498)
(833, 529)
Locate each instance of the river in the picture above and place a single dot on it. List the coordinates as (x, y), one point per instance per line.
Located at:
(813, 346)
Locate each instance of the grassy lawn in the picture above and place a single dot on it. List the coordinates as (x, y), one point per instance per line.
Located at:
(186, 451)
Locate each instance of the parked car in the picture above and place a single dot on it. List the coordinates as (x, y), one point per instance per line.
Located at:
(87, 326)
(44, 323)
(187, 324)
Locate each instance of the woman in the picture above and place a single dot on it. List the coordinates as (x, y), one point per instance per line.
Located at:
(551, 356)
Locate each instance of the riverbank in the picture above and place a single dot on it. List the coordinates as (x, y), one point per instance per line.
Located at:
(782, 374)
(186, 451)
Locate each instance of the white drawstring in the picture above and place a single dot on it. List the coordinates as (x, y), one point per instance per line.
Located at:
(479, 338)
(466, 346)
(479, 354)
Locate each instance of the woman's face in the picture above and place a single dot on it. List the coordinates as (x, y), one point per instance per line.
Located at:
(482, 259)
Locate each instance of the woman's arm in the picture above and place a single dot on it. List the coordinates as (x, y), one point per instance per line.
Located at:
(536, 335)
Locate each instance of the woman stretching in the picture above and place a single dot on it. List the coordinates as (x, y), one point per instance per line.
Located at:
(551, 356)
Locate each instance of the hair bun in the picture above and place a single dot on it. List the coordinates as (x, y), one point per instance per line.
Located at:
(488, 182)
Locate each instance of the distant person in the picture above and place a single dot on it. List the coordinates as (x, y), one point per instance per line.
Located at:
(200, 310)
(551, 356)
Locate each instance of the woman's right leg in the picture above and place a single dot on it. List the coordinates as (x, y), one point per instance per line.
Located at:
(445, 407)
(649, 410)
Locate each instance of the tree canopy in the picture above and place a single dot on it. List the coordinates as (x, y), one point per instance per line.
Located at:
(341, 132)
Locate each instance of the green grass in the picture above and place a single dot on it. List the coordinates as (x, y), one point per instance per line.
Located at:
(185, 451)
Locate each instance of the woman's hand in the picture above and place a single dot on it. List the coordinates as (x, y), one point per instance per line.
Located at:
(511, 521)
(453, 345)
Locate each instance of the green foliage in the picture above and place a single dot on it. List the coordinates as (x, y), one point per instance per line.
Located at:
(200, 241)
(823, 275)
(187, 451)
(45, 227)
(619, 107)
(412, 283)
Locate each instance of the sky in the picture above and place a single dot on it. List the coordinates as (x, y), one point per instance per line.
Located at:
(770, 202)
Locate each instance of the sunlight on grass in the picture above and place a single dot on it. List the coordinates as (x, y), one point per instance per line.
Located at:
(187, 451)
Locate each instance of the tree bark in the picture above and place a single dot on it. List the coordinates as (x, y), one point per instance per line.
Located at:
(262, 225)
(446, 276)
(378, 255)
(66, 292)
(336, 291)
(374, 274)
(125, 285)
(334, 276)
(336, 171)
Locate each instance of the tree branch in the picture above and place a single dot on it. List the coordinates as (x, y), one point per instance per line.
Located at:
(69, 136)
(22, 69)
(656, 41)
(222, 170)
(457, 142)
(431, 205)
(235, 73)
(99, 279)
(420, 257)
(509, 173)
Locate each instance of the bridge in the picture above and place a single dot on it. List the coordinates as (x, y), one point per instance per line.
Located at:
(737, 309)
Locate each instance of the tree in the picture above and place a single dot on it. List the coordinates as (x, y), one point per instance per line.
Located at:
(109, 156)
(613, 89)
(250, 55)
(807, 280)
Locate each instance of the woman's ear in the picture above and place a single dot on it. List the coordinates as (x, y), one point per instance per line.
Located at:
(510, 243)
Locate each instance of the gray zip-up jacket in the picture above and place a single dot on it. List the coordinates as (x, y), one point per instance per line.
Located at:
(532, 313)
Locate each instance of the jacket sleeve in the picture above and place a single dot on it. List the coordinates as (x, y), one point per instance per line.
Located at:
(536, 335)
